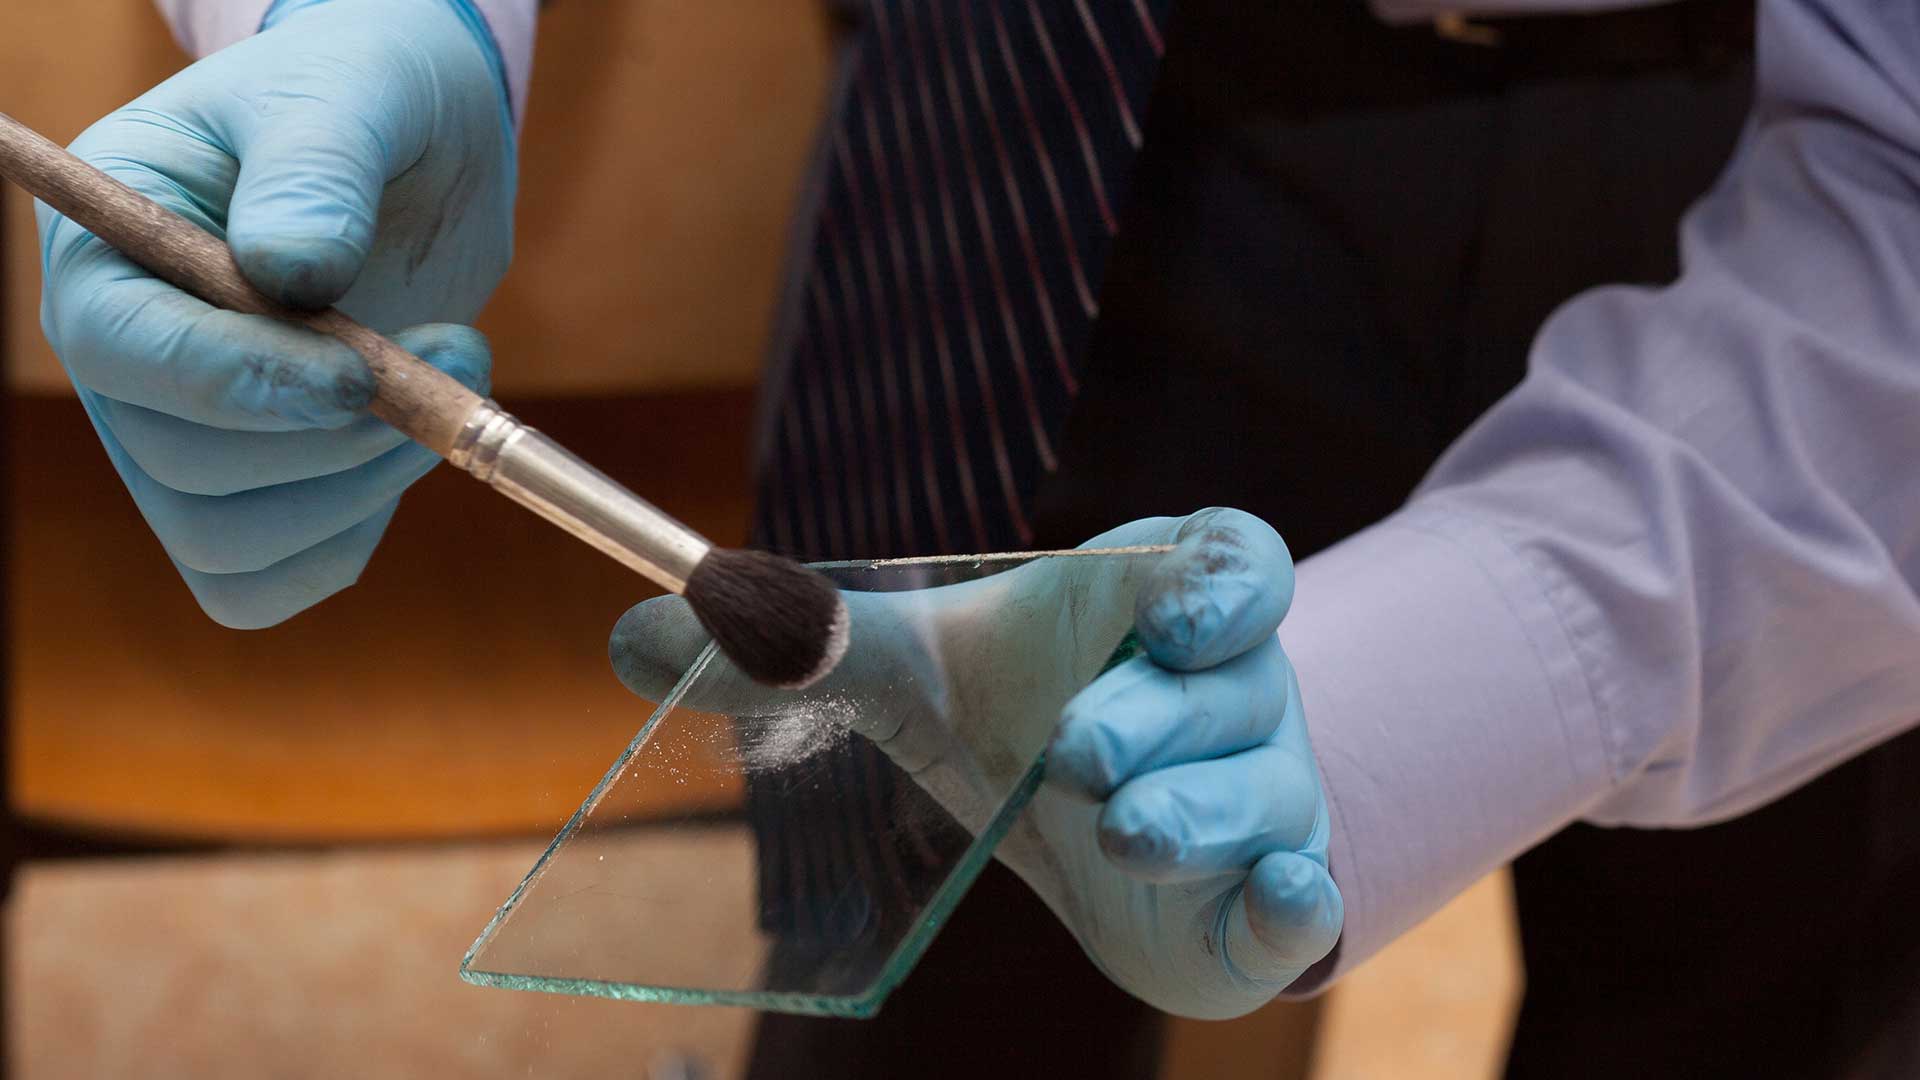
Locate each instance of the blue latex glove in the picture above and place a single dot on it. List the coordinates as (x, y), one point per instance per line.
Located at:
(1181, 833)
(357, 153)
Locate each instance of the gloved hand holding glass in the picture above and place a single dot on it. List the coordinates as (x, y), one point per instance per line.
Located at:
(356, 153)
(1182, 830)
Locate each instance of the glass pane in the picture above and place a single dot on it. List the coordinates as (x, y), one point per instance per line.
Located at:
(828, 832)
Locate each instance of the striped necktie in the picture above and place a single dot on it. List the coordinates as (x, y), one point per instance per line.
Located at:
(973, 176)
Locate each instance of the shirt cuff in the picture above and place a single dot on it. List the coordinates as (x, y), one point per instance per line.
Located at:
(1453, 723)
(512, 25)
(204, 27)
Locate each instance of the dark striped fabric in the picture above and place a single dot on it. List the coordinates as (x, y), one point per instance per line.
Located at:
(974, 172)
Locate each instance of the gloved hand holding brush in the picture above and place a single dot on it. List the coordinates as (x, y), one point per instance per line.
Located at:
(356, 152)
(249, 441)
(1182, 831)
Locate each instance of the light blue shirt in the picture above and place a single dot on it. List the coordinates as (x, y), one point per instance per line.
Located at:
(1673, 574)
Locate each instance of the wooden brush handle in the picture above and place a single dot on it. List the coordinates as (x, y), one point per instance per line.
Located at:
(419, 400)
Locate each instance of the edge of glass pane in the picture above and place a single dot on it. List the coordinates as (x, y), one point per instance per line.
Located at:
(901, 963)
(571, 829)
(853, 1006)
(1010, 557)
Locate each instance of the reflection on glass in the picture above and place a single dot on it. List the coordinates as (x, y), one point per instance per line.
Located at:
(820, 835)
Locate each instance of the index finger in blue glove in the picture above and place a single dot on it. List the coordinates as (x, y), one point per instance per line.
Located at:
(253, 529)
(134, 338)
(1221, 591)
(201, 460)
(1211, 817)
(1140, 716)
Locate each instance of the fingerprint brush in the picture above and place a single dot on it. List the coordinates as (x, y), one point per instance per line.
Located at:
(779, 622)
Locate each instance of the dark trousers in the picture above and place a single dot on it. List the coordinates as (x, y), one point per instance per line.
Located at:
(1340, 242)
(1785, 943)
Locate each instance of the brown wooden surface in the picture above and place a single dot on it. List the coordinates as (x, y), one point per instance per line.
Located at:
(461, 688)
(659, 165)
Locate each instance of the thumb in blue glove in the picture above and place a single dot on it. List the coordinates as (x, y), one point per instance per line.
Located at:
(357, 153)
(1182, 831)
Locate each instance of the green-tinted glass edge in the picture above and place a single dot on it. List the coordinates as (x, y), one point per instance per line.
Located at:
(856, 1006)
(850, 1006)
(572, 827)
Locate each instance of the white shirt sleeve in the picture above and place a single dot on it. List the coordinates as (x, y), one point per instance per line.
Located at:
(207, 26)
(1676, 573)
(512, 23)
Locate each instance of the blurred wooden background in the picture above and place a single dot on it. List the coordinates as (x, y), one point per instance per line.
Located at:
(657, 174)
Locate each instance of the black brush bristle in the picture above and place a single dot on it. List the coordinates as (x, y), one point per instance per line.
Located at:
(779, 622)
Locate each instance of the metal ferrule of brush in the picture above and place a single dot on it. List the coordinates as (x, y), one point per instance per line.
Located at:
(542, 476)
